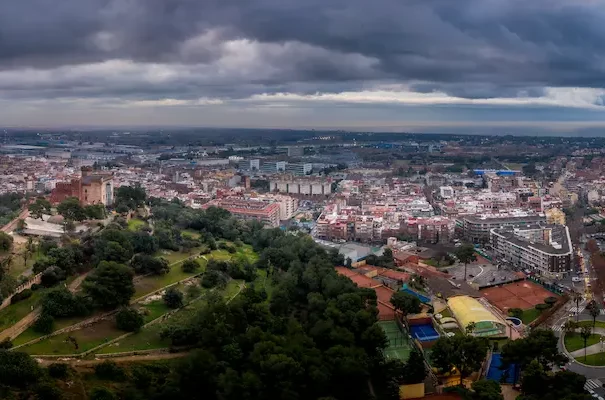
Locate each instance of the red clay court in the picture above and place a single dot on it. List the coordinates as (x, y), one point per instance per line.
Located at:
(523, 295)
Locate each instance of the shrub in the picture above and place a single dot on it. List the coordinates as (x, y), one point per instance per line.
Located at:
(25, 294)
(48, 391)
(550, 300)
(101, 393)
(173, 298)
(58, 370)
(129, 320)
(44, 324)
(542, 306)
(35, 287)
(109, 370)
(190, 266)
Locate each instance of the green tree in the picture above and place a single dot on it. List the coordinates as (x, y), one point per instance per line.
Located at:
(466, 255)
(406, 303)
(585, 333)
(110, 284)
(535, 379)
(39, 207)
(414, 370)
(131, 197)
(6, 242)
(486, 390)
(540, 344)
(129, 319)
(101, 393)
(146, 264)
(190, 266)
(44, 324)
(173, 298)
(18, 369)
(71, 209)
(466, 353)
(594, 311)
(570, 327)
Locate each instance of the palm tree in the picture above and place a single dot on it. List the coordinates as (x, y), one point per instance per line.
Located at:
(577, 297)
(466, 254)
(585, 334)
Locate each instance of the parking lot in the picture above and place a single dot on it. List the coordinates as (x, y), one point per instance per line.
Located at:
(482, 274)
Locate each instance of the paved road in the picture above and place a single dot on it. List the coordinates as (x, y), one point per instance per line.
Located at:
(587, 371)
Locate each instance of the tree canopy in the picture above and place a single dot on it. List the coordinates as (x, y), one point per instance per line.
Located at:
(110, 284)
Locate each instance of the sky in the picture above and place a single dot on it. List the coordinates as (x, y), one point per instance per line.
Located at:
(491, 66)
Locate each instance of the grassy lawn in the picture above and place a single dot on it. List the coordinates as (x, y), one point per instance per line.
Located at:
(599, 324)
(87, 338)
(191, 234)
(152, 283)
(154, 310)
(135, 224)
(593, 359)
(575, 342)
(529, 315)
(15, 312)
(29, 334)
(149, 336)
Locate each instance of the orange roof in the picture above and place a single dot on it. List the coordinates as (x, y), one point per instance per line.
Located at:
(389, 273)
(345, 271)
(364, 281)
(385, 312)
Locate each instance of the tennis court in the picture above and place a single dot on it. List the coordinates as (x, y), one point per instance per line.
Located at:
(399, 346)
(424, 333)
(523, 295)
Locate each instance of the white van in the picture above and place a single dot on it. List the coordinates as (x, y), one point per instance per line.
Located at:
(576, 279)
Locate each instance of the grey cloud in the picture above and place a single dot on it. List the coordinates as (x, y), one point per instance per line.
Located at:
(466, 48)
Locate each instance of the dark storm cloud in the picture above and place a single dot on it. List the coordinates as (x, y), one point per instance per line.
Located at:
(466, 48)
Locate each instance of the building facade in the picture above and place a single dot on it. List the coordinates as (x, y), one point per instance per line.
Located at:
(541, 248)
(92, 188)
(267, 213)
(476, 229)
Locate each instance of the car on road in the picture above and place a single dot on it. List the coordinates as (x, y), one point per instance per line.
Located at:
(576, 279)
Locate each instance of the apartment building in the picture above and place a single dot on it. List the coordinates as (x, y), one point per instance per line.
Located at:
(267, 213)
(476, 228)
(542, 248)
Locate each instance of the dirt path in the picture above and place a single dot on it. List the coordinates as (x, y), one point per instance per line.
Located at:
(20, 326)
(125, 359)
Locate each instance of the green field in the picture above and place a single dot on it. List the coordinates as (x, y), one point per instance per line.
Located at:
(152, 283)
(575, 342)
(134, 224)
(30, 334)
(593, 359)
(529, 315)
(15, 312)
(399, 346)
(598, 324)
(86, 338)
(190, 233)
(149, 337)
(154, 309)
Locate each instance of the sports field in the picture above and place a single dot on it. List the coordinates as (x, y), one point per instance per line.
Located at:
(399, 346)
(523, 295)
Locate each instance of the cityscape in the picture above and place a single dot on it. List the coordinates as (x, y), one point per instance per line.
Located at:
(302, 200)
(487, 241)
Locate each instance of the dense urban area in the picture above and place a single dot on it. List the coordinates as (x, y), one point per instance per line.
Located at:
(268, 264)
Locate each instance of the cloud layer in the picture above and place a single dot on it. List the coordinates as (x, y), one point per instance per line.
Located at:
(241, 54)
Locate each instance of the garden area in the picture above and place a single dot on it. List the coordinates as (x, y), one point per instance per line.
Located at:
(573, 341)
(135, 224)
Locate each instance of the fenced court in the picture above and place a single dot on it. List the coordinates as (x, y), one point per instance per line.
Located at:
(424, 333)
(399, 344)
(523, 295)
